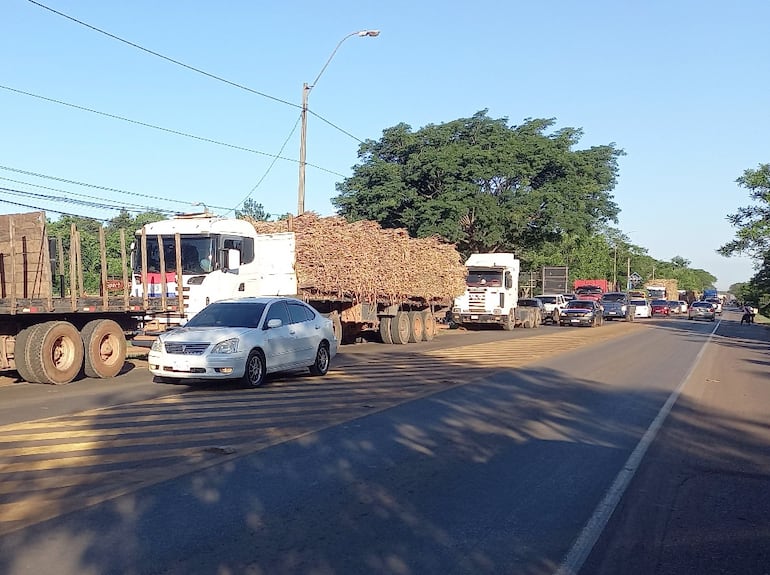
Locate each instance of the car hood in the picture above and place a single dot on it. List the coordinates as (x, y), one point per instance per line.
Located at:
(204, 334)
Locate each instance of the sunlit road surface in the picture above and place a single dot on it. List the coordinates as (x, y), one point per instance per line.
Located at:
(53, 466)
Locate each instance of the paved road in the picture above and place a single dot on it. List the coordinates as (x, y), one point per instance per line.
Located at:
(468, 459)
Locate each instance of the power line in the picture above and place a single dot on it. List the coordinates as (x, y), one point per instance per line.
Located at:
(117, 205)
(106, 189)
(187, 66)
(168, 130)
(157, 54)
(270, 167)
(46, 210)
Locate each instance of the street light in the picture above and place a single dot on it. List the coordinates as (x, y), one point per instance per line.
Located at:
(303, 133)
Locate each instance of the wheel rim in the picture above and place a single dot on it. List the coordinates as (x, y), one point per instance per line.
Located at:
(63, 353)
(255, 369)
(323, 358)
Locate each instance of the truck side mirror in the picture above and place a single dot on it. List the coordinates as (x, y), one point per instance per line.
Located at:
(233, 260)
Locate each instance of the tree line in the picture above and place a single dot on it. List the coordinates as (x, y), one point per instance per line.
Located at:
(485, 186)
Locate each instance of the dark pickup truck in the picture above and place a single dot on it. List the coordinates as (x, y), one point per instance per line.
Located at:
(616, 305)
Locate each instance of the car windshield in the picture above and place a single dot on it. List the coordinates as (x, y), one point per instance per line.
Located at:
(638, 302)
(659, 302)
(578, 304)
(613, 297)
(228, 314)
(588, 290)
(701, 304)
(529, 303)
(483, 278)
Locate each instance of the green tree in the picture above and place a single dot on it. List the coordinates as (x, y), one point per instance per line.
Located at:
(483, 184)
(753, 223)
(253, 210)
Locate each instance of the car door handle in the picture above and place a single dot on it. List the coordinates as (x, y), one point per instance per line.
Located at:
(292, 332)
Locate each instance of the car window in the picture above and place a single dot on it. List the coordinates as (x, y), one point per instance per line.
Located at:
(547, 298)
(228, 314)
(278, 310)
(578, 304)
(299, 312)
(613, 297)
(638, 302)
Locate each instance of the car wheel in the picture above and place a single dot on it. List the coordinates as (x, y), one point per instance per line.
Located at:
(322, 360)
(254, 374)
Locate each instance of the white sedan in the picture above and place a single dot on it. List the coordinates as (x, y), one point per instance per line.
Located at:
(245, 338)
(642, 307)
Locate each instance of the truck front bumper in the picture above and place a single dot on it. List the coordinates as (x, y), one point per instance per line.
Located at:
(461, 318)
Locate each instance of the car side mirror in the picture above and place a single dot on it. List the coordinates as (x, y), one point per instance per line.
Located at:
(273, 323)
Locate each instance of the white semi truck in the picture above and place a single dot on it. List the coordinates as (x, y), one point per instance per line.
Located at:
(492, 294)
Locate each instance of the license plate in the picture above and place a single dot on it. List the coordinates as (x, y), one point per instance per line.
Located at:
(474, 317)
(575, 320)
(181, 365)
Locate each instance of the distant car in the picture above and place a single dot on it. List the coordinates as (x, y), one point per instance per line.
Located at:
(615, 305)
(641, 308)
(660, 307)
(589, 292)
(569, 296)
(245, 338)
(717, 304)
(702, 310)
(534, 302)
(683, 306)
(554, 303)
(674, 308)
(582, 312)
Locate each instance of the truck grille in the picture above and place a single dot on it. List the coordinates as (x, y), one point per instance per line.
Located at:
(185, 348)
(477, 301)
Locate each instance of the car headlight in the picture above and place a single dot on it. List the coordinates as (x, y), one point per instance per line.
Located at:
(227, 346)
(157, 345)
(623, 308)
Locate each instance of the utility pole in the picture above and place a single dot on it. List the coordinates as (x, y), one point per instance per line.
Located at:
(303, 134)
(628, 274)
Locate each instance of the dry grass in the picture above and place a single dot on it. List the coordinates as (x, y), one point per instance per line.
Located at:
(365, 262)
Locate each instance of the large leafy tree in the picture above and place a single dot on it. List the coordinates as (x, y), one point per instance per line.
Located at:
(753, 224)
(483, 184)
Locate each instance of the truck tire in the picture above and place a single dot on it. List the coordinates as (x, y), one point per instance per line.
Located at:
(416, 327)
(428, 325)
(510, 322)
(105, 348)
(21, 352)
(56, 353)
(385, 329)
(399, 328)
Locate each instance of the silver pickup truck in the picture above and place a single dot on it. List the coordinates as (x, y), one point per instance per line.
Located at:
(616, 305)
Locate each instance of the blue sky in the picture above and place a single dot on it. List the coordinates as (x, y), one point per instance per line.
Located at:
(681, 86)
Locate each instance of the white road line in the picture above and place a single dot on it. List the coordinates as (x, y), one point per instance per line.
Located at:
(590, 533)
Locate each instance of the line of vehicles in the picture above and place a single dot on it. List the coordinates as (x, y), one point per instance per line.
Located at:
(52, 330)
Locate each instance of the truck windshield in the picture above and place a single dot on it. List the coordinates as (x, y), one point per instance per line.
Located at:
(484, 278)
(197, 255)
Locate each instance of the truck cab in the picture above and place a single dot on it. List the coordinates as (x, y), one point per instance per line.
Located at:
(219, 258)
(491, 293)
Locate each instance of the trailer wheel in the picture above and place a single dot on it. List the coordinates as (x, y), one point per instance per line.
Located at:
(21, 352)
(385, 323)
(428, 325)
(56, 353)
(105, 348)
(416, 327)
(399, 328)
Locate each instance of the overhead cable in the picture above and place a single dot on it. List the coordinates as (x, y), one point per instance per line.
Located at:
(168, 130)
